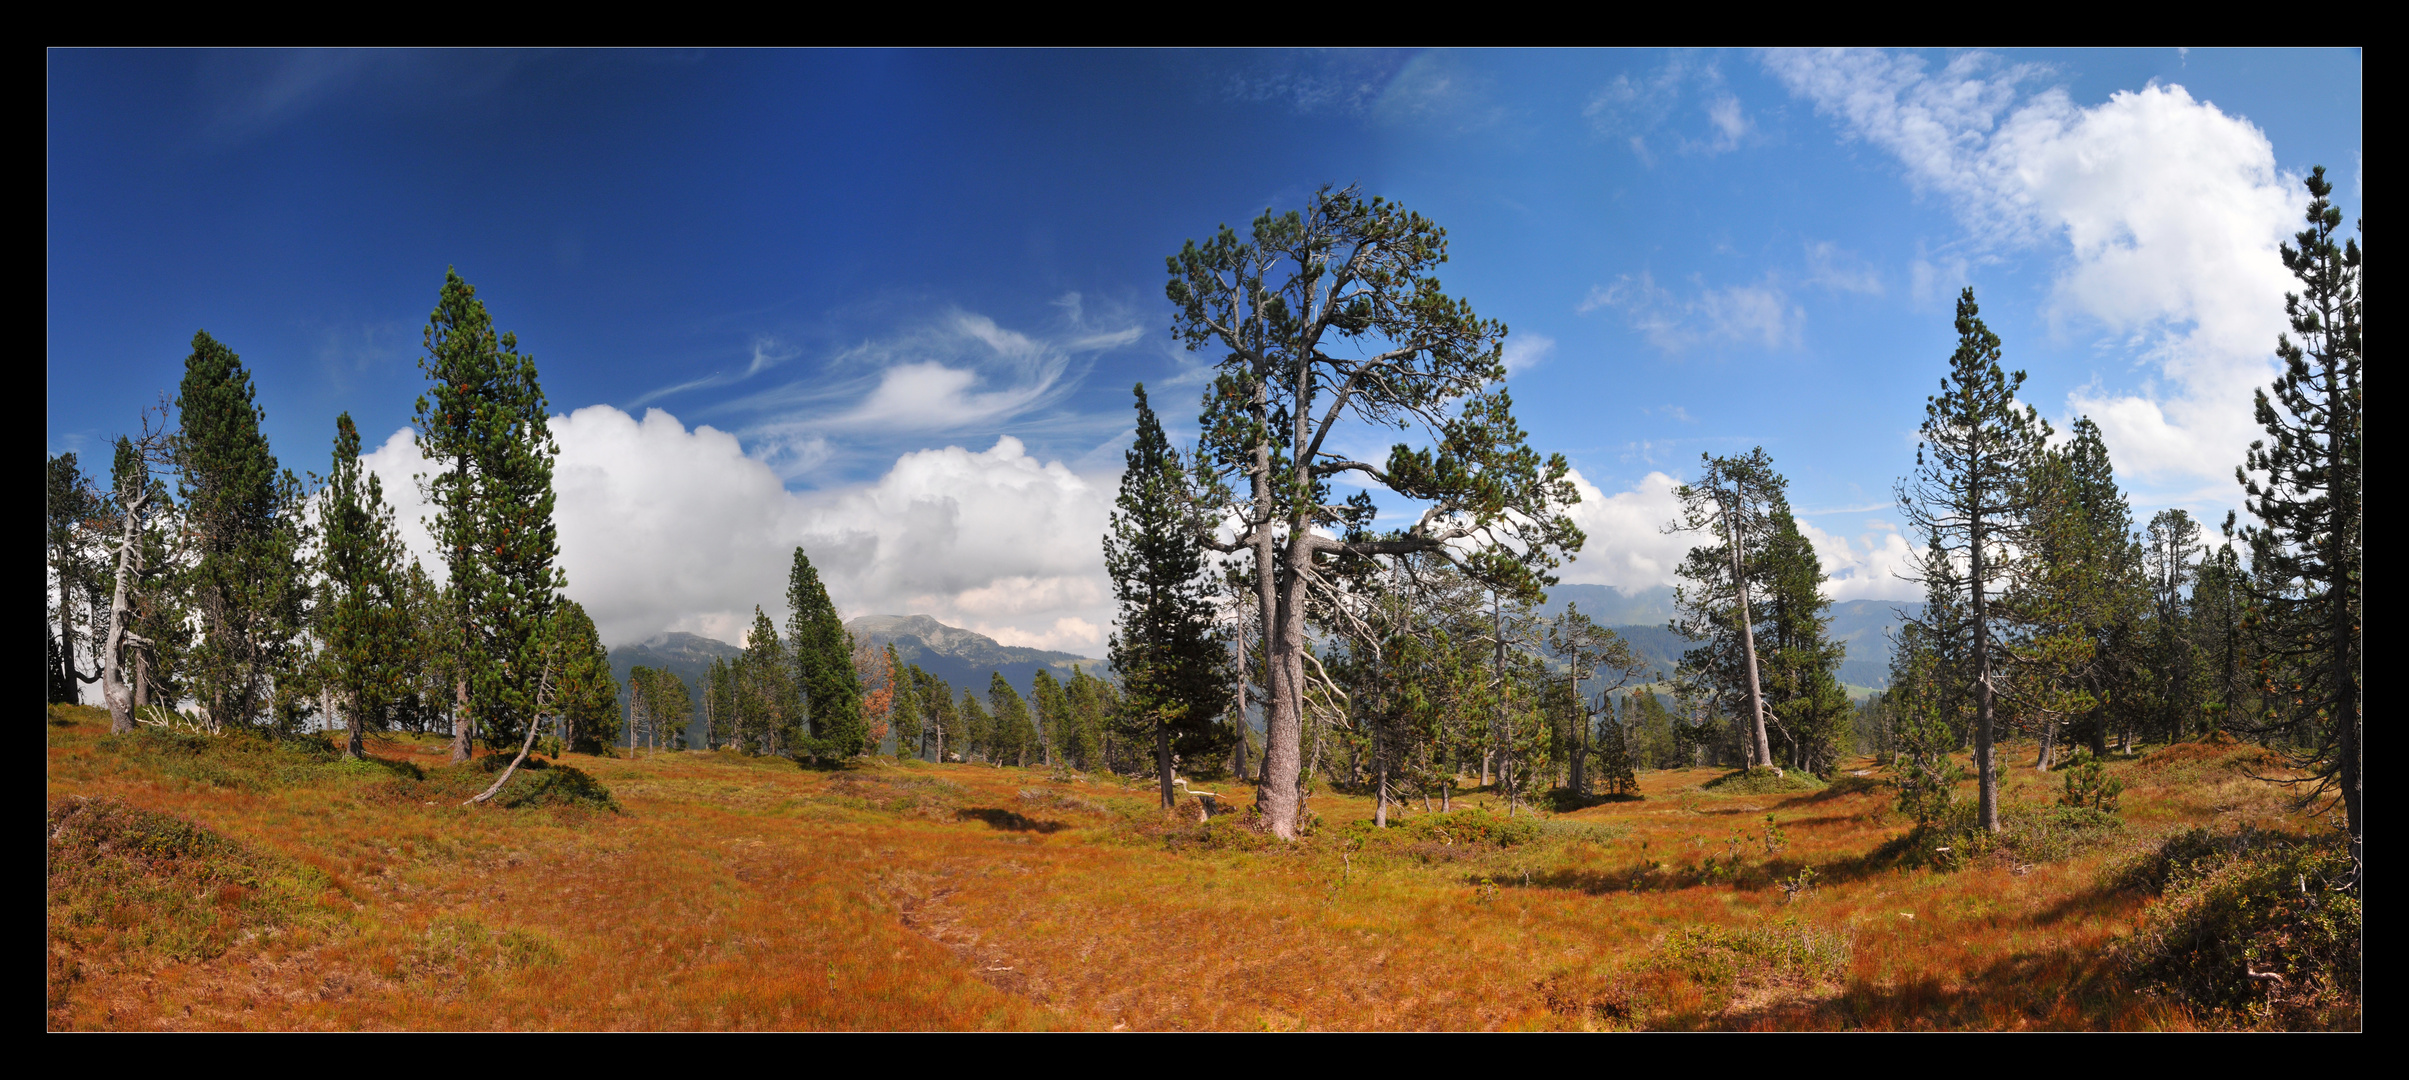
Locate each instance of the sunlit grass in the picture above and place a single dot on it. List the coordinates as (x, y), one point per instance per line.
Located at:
(727, 892)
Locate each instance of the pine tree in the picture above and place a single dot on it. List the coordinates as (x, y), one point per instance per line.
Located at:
(587, 696)
(1731, 500)
(904, 687)
(360, 554)
(978, 728)
(1585, 648)
(1015, 736)
(483, 422)
(244, 516)
(767, 716)
(1172, 660)
(1278, 305)
(1967, 495)
(2305, 483)
(823, 659)
(1809, 707)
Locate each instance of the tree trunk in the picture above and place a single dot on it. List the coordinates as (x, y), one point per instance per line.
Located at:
(1283, 736)
(2049, 739)
(1986, 778)
(357, 745)
(1162, 761)
(113, 689)
(1748, 641)
(460, 722)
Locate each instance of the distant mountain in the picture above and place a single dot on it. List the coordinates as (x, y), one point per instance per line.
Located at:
(1610, 606)
(1866, 626)
(689, 656)
(1641, 617)
(965, 658)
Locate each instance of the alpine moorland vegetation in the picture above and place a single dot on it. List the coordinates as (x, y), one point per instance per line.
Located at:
(329, 791)
(236, 883)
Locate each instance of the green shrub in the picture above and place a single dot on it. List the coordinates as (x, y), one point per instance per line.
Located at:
(1780, 951)
(2089, 786)
(1473, 825)
(2251, 902)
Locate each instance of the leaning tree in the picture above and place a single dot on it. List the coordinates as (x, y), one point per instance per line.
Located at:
(1329, 319)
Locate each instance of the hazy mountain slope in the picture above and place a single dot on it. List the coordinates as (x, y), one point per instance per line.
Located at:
(962, 657)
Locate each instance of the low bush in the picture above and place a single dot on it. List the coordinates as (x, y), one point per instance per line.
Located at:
(1472, 826)
(1767, 953)
(2027, 834)
(2255, 925)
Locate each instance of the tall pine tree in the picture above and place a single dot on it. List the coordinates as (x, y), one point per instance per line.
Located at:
(359, 617)
(1968, 497)
(823, 657)
(483, 423)
(243, 515)
(1174, 665)
(2305, 481)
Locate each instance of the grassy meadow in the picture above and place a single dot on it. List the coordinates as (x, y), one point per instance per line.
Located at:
(236, 884)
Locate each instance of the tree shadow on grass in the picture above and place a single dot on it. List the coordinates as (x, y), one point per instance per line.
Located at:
(1007, 820)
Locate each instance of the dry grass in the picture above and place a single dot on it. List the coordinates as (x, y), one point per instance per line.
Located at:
(722, 892)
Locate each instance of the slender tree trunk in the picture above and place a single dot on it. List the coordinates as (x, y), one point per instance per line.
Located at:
(113, 689)
(1238, 753)
(1986, 778)
(1748, 640)
(357, 746)
(1162, 761)
(2049, 739)
(1380, 769)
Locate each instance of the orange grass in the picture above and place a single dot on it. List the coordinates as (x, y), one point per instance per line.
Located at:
(732, 893)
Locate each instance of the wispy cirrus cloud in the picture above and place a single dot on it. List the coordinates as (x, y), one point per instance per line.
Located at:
(1761, 315)
(953, 374)
(1648, 111)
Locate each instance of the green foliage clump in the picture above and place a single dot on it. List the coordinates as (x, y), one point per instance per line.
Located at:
(242, 759)
(1782, 951)
(2089, 786)
(2027, 834)
(1474, 826)
(1763, 780)
(2252, 924)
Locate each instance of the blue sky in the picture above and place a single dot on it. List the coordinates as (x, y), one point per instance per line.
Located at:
(888, 305)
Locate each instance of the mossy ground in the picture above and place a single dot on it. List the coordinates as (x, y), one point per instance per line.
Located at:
(709, 890)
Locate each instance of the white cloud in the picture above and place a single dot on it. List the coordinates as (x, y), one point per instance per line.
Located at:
(1842, 271)
(667, 528)
(1524, 351)
(2166, 211)
(959, 373)
(1627, 546)
(1868, 567)
(1760, 315)
(1636, 109)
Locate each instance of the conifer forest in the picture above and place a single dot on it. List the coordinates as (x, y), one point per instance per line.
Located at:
(339, 744)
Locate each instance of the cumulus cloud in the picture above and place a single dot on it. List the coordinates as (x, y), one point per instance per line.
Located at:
(1627, 546)
(1759, 315)
(1869, 567)
(1630, 548)
(2165, 210)
(668, 528)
